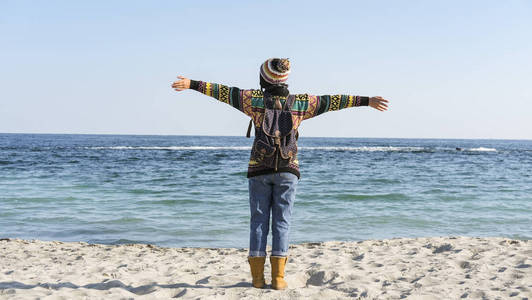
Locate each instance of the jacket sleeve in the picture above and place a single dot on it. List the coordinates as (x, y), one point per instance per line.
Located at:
(237, 98)
(318, 105)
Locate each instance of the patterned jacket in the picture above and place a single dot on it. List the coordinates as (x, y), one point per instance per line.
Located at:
(251, 103)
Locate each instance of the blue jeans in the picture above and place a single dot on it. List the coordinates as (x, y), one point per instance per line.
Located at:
(276, 193)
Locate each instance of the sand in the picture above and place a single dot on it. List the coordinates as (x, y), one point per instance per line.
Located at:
(418, 268)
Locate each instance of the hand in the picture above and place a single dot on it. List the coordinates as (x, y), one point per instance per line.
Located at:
(182, 84)
(378, 103)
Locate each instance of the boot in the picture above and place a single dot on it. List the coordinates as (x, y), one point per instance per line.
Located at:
(278, 263)
(256, 264)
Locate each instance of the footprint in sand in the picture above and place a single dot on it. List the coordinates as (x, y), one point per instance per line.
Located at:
(203, 281)
(319, 278)
(359, 257)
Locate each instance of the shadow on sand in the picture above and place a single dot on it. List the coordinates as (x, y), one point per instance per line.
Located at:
(108, 284)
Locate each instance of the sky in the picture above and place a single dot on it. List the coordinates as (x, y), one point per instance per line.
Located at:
(451, 69)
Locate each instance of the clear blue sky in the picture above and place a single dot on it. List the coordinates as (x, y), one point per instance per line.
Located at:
(452, 69)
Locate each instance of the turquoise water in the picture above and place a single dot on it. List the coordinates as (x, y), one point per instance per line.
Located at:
(192, 191)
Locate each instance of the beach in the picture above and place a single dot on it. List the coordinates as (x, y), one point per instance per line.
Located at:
(131, 217)
(379, 148)
(409, 268)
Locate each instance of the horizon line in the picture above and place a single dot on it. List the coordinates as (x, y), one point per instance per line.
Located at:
(206, 135)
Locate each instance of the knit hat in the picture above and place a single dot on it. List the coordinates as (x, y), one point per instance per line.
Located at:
(275, 70)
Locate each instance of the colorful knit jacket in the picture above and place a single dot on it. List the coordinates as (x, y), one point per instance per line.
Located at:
(251, 103)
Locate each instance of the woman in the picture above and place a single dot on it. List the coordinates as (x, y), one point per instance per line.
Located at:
(273, 169)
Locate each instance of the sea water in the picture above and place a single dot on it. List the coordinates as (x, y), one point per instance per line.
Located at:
(192, 190)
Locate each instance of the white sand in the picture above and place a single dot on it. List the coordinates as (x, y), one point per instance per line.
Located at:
(421, 268)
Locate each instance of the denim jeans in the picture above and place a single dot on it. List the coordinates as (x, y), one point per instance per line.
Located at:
(276, 193)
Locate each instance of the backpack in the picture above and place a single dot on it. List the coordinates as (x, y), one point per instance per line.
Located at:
(275, 141)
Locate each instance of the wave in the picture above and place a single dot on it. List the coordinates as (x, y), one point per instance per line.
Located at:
(168, 148)
(482, 149)
(370, 149)
(322, 148)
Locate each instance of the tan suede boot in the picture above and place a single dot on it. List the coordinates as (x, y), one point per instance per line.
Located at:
(256, 264)
(278, 263)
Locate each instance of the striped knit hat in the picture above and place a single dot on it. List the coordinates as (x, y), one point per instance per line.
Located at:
(275, 70)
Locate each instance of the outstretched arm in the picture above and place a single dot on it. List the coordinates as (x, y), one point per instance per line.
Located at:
(318, 105)
(239, 99)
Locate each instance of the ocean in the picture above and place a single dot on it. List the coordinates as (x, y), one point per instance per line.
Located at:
(191, 191)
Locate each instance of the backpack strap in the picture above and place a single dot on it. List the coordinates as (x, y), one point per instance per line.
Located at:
(289, 102)
(248, 134)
